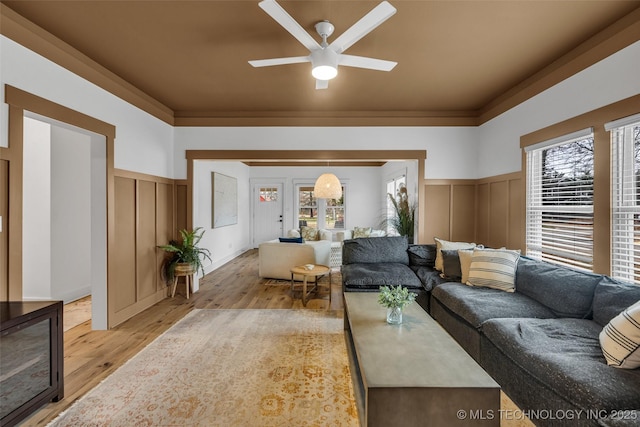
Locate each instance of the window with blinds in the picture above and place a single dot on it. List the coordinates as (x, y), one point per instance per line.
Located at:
(625, 198)
(559, 225)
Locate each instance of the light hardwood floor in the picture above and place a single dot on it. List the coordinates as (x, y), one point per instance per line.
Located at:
(90, 356)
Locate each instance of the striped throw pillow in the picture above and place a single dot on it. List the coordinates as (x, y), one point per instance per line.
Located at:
(620, 339)
(493, 268)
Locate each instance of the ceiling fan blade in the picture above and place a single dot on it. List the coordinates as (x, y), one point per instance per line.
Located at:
(279, 61)
(322, 84)
(364, 26)
(364, 62)
(288, 23)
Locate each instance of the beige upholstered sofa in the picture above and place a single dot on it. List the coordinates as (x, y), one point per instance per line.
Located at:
(365, 232)
(276, 258)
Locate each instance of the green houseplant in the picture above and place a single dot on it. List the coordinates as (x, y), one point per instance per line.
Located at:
(403, 219)
(395, 298)
(185, 255)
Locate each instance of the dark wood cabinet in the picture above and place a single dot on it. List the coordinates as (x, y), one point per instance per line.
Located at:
(32, 360)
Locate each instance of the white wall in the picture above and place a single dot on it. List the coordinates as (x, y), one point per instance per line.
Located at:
(36, 207)
(225, 243)
(143, 143)
(612, 79)
(451, 151)
(70, 214)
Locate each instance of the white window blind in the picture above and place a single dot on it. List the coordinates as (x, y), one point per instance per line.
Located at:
(560, 201)
(625, 221)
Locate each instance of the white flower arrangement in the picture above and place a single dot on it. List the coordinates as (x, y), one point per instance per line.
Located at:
(395, 296)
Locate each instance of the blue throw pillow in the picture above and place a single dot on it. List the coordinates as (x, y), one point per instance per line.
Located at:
(291, 239)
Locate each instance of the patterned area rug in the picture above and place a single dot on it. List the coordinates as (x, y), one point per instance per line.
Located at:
(230, 368)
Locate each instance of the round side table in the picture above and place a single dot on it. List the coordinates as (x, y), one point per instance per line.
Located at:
(317, 271)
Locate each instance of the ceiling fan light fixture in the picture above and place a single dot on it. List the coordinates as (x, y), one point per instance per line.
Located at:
(324, 64)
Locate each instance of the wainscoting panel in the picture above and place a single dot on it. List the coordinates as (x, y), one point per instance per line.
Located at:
(146, 241)
(515, 238)
(487, 211)
(482, 214)
(437, 214)
(463, 208)
(144, 212)
(123, 265)
(164, 226)
(181, 205)
(4, 241)
(498, 213)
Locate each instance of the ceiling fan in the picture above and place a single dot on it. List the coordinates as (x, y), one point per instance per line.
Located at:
(325, 57)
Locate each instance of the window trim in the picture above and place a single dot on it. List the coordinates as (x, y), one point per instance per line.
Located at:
(602, 183)
(570, 251)
(625, 207)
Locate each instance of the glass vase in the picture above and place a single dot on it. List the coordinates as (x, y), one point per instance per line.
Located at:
(394, 315)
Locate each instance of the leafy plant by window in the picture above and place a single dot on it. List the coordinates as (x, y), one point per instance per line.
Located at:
(402, 220)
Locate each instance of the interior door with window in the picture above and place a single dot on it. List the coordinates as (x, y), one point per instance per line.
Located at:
(267, 212)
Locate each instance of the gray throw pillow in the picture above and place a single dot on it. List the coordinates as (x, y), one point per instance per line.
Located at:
(451, 265)
(422, 255)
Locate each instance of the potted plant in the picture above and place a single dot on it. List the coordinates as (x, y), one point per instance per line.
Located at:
(186, 257)
(403, 219)
(395, 298)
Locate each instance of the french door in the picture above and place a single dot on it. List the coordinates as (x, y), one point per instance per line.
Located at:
(267, 212)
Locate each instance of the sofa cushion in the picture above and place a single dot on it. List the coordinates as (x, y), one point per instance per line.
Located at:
(446, 245)
(429, 276)
(476, 305)
(293, 233)
(493, 268)
(620, 339)
(373, 250)
(567, 292)
(422, 255)
(611, 297)
(372, 276)
(565, 356)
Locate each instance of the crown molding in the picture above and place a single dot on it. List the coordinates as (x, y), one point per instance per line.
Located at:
(327, 118)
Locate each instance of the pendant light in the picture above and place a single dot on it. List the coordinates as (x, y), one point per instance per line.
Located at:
(327, 187)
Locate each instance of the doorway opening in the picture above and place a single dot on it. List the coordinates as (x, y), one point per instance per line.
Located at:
(64, 248)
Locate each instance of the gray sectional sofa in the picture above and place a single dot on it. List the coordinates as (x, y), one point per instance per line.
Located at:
(368, 263)
(540, 343)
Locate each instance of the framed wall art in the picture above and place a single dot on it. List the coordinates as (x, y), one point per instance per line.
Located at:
(224, 197)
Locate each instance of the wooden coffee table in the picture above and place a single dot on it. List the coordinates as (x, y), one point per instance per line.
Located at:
(413, 374)
(317, 271)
